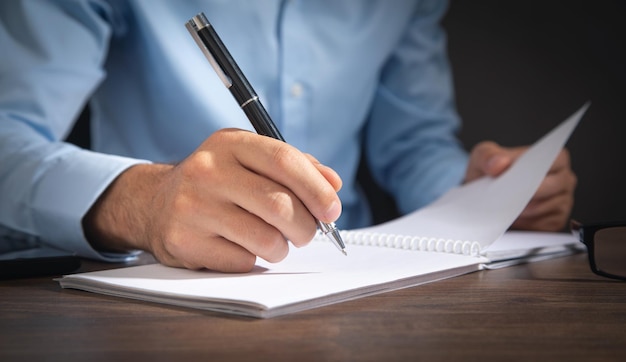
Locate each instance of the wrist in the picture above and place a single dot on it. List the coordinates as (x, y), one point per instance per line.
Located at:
(118, 219)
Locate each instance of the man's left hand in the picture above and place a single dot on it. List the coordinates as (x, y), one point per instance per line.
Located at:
(551, 206)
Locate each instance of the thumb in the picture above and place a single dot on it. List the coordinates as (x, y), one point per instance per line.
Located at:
(489, 159)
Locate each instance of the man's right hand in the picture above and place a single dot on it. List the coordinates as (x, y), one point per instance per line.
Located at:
(237, 196)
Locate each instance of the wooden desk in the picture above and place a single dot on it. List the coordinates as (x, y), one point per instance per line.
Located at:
(555, 310)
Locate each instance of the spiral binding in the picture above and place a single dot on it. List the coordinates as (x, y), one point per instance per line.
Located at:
(407, 242)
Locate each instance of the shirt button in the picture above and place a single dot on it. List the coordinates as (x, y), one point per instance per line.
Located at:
(296, 90)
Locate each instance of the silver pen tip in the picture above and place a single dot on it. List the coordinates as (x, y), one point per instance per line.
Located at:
(335, 236)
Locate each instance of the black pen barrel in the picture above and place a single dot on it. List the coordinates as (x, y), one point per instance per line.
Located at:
(261, 120)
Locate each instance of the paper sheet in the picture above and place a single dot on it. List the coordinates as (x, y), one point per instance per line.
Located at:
(483, 210)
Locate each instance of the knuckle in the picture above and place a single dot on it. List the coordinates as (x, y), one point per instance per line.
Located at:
(284, 156)
(165, 258)
(195, 166)
(307, 235)
(273, 246)
(305, 232)
(222, 135)
(280, 206)
(200, 163)
(278, 255)
(179, 203)
(266, 241)
(173, 243)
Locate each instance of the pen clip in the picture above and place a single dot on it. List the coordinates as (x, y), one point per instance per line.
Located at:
(193, 26)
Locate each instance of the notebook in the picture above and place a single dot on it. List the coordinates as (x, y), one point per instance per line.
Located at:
(462, 232)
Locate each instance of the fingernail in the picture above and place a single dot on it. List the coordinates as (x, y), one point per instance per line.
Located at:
(333, 212)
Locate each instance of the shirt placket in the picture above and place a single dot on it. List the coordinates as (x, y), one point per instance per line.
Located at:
(295, 74)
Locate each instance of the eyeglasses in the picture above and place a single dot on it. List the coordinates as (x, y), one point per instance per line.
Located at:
(606, 247)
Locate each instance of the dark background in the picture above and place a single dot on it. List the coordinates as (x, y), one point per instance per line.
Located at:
(522, 67)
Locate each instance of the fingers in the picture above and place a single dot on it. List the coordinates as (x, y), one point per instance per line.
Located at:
(551, 205)
(329, 174)
(546, 215)
(225, 238)
(548, 223)
(193, 253)
(560, 179)
(272, 204)
(489, 159)
(558, 203)
(287, 166)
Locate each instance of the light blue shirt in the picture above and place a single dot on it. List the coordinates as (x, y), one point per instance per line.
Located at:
(332, 74)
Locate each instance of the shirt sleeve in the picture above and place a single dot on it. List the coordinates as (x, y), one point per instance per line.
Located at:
(52, 59)
(412, 146)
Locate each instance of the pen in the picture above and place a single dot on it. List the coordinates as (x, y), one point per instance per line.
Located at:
(232, 77)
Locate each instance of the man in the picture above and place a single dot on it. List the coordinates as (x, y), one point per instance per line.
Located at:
(173, 170)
